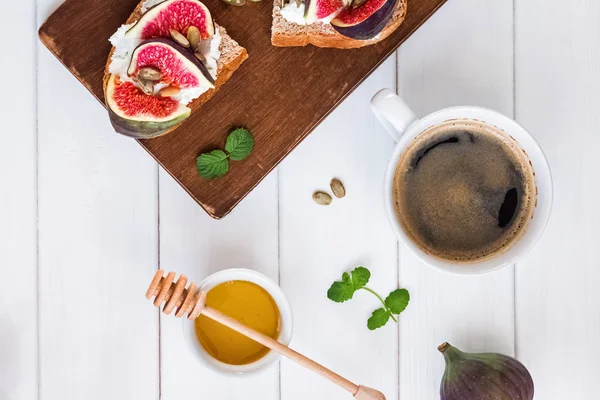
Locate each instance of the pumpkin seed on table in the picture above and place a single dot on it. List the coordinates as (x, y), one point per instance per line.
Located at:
(179, 38)
(337, 187)
(322, 198)
(193, 37)
(149, 74)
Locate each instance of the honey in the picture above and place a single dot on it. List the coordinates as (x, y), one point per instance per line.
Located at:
(251, 305)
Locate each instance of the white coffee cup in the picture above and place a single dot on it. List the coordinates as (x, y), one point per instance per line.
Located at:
(404, 126)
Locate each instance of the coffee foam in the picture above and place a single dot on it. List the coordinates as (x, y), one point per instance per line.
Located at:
(450, 184)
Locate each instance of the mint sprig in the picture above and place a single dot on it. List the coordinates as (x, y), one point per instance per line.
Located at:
(215, 163)
(345, 289)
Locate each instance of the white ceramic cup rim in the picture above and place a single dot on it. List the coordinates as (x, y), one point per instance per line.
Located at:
(404, 127)
(285, 334)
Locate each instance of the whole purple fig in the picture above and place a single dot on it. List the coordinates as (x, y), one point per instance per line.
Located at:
(483, 376)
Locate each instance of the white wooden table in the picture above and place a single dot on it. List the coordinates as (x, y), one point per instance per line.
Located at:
(86, 217)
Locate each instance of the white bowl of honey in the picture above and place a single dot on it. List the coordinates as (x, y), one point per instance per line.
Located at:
(254, 300)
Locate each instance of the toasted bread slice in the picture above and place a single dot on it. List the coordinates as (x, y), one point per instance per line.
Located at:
(232, 56)
(285, 33)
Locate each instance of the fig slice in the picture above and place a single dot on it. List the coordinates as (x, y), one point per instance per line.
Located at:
(178, 15)
(352, 16)
(366, 21)
(315, 10)
(136, 114)
(176, 65)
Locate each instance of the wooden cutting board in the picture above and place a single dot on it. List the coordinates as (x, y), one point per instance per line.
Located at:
(279, 94)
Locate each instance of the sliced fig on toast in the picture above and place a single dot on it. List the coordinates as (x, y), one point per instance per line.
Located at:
(366, 21)
(173, 14)
(137, 114)
(176, 65)
(315, 10)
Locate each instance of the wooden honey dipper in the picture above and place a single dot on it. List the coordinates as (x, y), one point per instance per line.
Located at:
(192, 300)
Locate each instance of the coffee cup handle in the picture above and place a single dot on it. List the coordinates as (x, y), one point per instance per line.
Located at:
(392, 112)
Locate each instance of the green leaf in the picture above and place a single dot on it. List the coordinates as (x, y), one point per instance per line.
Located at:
(239, 144)
(341, 291)
(212, 165)
(379, 318)
(346, 278)
(397, 300)
(344, 290)
(360, 277)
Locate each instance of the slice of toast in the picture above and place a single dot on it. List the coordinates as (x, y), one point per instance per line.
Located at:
(232, 56)
(285, 33)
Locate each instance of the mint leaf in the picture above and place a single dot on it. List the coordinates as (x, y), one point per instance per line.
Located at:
(360, 277)
(341, 291)
(239, 144)
(212, 165)
(379, 318)
(397, 301)
(346, 278)
(344, 290)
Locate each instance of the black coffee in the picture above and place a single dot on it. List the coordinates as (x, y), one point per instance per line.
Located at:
(464, 191)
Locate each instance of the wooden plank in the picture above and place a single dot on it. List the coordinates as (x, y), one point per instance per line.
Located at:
(318, 243)
(194, 244)
(18, 243)
(269, 91)
(471, 65)
(98, 246)
(558, 97)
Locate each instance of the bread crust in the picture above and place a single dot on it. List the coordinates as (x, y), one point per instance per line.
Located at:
(224, 69)
(335, 39)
